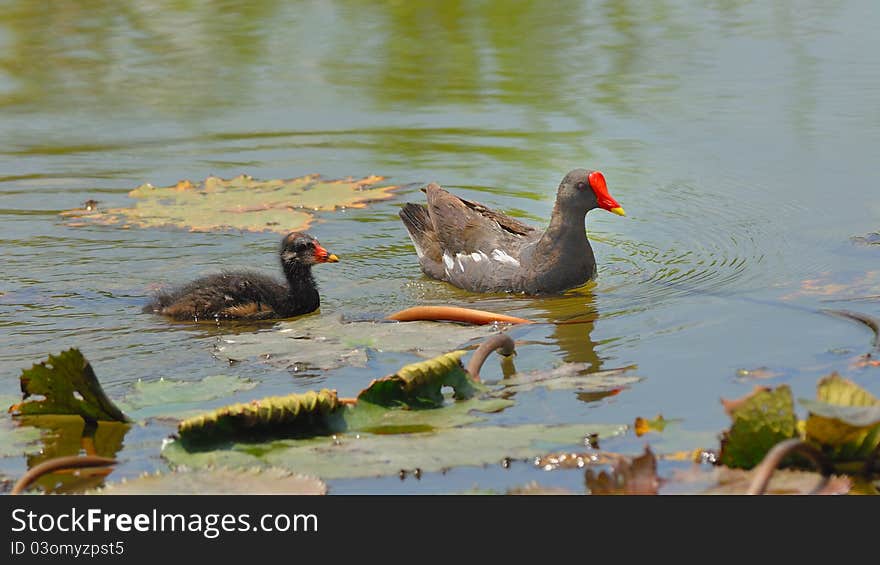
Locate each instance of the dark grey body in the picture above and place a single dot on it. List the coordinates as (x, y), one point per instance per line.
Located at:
(482, 250)
(250, 295)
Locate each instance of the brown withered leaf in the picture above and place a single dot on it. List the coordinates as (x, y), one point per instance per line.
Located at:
(724, 480)
(628, 476)
(835, 285)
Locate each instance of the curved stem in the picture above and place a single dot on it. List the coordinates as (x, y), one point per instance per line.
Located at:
(454, 314)
(67, 462)
(764, 470)
(870, 321)
(502, 342)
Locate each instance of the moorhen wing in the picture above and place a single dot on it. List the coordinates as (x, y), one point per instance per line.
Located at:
(480, 249)
(248, 295)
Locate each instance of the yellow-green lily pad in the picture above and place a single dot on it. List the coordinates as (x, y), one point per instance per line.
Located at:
(420, 384)
(365, 455)
(844, 419)
(760, 420)
(240, 203)
(168, 398)
(16, 440)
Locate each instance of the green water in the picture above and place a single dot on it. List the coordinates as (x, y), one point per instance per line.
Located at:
(741, 137)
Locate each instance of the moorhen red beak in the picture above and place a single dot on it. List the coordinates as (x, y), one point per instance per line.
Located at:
(480, 249)
(324, 256)
(603, 198)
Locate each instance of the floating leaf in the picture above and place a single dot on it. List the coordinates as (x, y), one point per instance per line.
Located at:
(727, 481)
(637, 475)
(365, 455)
(240, 203)
(840, 286)
(170, 398)
(218, 481)
(570, 376)
(295, 414)
(868, 239)
(760, 420)
(310, 414)
(758, 373)
(533, 488)
(68, 385)
(844, 420)
(16, 440)
(643, 426)
(327, 342)
(375, 419)
(420, 384)
(864, 361)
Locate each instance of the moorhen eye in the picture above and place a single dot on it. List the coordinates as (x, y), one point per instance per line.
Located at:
(479, 249)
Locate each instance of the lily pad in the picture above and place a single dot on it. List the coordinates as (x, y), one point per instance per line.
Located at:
(240, 203)
(420, 384)
(307, 414)
(179, 399)
(844, 420)
(533, 488)
(417, 386)
(723, 480)
(327, 342)
(365, 455)
(16, 440)
(760, 420)
(218, 481)
(643, 426)
(380, 420)
(570, 376)
(68, 385)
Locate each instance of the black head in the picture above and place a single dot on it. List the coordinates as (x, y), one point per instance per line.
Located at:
(300, 248)
(582, 190)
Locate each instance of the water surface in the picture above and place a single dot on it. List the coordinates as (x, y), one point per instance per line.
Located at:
(740, 137)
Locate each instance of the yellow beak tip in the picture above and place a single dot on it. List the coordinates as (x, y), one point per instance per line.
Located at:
(619, 211)
(332, 258)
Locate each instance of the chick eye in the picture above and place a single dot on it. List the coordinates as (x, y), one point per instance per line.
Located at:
(301, 246)
(582, 185)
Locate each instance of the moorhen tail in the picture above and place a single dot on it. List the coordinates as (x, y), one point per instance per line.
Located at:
(479, 249)
(248, 295)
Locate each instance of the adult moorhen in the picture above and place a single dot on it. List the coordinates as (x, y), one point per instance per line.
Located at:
(480, 249)
(249, 295)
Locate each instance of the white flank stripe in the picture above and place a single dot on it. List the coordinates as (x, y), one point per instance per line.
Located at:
(503, 257)
(447, 260)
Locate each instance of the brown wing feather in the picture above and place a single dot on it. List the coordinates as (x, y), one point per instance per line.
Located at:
(464, 226)
(506, 222)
